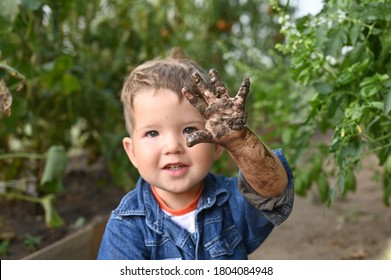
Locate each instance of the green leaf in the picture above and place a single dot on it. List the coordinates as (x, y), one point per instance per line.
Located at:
(344, 4)
(337, 39)
(377, 11)
(369, 90)
(52, 218)
(303, 183)
(358, 53)
(54, 170)
(341, 183)
(387, 188)
(345, 78)
(355, 33)
(62, 64)
(350, 182)
(368, 81)
(354, 111)
(70, 83)
(4, 245)
(388, 164)
(52, 186)
(323, 88)
(31, 4)
(376, 105)
(5, 26)
(9, 9)
(387, 103)
(32, 242)
(323, 188)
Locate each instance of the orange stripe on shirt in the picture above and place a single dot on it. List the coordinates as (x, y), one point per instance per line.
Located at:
(178, 212)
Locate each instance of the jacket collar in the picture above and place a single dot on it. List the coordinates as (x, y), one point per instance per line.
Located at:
(141, 201)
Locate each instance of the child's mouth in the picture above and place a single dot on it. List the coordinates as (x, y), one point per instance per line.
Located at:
(174, 167)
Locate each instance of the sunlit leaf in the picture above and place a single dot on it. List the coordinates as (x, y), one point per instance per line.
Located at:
(388, 164)
(355, 33)
(31, 4)
(376, 11)
(345, 78)
(387, 103)
(70, 83)
(370, 90)
(52, 218)
(323, 88)
(54, 170)
(9, 9)
(336, 40)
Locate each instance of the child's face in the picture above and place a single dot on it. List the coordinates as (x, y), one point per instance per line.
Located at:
(157, 147)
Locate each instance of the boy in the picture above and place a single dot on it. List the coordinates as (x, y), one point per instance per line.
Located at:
(178, 126)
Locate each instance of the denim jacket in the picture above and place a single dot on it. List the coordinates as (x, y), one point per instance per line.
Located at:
(228, 226)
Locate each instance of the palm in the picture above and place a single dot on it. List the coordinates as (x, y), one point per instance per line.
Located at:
(223, 114)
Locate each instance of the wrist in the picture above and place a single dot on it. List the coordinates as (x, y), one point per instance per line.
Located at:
(239, 139)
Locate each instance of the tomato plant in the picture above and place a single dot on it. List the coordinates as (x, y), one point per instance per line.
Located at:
(62, 64)
(343, 55)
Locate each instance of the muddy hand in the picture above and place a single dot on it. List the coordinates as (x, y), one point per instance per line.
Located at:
(224, 116)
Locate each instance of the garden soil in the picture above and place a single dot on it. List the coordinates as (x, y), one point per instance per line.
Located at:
(355, 227)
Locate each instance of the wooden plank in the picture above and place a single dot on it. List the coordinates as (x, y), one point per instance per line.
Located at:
(81, 245)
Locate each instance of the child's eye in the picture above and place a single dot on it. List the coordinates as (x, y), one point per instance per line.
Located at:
(152, 133)
(189, 130)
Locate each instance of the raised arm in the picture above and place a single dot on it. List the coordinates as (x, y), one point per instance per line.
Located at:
(225, 124)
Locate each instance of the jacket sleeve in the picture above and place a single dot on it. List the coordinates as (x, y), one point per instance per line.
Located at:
(275, 209)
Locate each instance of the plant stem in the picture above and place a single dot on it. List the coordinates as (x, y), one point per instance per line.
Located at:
(22, 155)
(12, 195)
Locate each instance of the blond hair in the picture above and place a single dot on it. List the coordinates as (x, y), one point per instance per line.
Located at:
(172, 73)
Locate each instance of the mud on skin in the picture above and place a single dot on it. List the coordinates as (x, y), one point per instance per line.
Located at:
(223, 114)
(225, 124)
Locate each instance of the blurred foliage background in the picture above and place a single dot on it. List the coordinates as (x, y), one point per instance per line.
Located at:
(324, 76)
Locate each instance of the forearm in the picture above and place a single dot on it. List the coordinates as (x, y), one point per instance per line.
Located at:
(225, 118)
(259, 165)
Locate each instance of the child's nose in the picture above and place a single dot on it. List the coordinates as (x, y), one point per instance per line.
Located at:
(173, 145)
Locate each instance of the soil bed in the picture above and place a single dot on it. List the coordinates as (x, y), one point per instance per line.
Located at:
(88, 194)
(354, 227)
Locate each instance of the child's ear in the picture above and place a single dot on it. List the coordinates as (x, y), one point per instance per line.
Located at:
(218, 151)
(127, 142)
